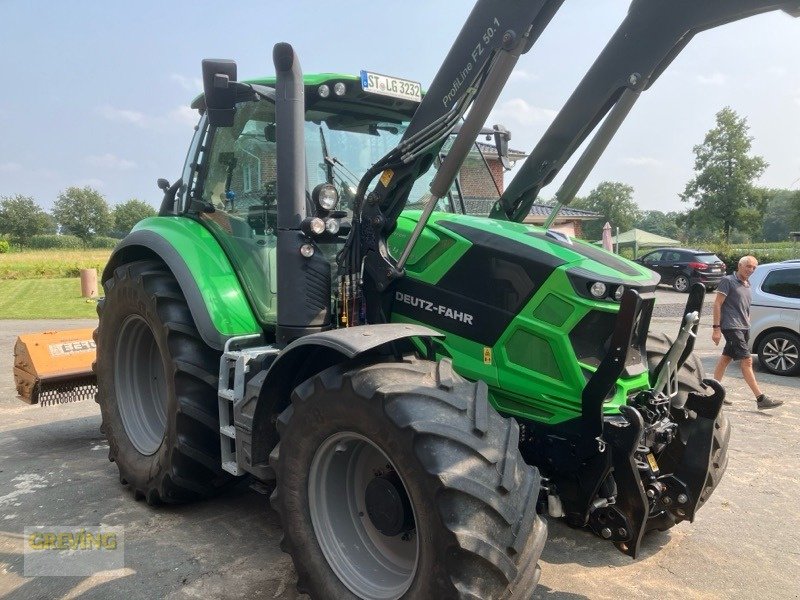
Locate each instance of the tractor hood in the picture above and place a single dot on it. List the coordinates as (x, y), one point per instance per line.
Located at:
(544, 251)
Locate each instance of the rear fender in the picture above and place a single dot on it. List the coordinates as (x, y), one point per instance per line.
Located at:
(218, 304)
(268, 393)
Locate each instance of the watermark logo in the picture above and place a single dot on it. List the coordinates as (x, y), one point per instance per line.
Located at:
(72, 550)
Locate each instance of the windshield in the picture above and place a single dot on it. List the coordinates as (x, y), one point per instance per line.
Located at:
(708, 259)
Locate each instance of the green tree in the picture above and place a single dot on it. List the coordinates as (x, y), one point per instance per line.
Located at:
(660, 223)
(722, 189)
(614, 201)
(129, 213)
(781, 215)
(83, 212)
(21, 217)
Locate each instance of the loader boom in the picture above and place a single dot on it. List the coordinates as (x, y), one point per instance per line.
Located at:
(651, 36)
(648, 40)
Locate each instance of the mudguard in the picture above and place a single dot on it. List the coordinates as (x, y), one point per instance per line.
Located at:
(216, 299)
(269, 391)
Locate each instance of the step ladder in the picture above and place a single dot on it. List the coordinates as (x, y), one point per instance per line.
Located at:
(234, 365)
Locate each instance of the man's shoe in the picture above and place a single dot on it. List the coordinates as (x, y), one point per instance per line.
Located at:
(764, 402)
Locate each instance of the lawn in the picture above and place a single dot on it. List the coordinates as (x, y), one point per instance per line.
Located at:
(45, 299)
(48, 264)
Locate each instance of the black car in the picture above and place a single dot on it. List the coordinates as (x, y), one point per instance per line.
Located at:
(681, 267)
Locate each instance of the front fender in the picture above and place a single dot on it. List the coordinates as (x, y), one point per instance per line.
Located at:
(215, 296)
(268, 393)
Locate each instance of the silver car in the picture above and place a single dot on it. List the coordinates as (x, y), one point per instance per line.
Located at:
(775, 316)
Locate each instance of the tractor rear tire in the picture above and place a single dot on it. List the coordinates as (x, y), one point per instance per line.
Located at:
(690, 379)
(157, 388)
(399, 480)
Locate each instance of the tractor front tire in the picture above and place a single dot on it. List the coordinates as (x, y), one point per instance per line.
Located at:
(690, 379)
(399, 480)
(157, 388)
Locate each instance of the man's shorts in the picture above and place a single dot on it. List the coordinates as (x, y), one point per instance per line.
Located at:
(736, 343)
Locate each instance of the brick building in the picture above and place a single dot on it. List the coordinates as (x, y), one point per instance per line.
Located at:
(481, 193)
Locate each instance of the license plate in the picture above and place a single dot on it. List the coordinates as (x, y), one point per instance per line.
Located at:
(395, 87)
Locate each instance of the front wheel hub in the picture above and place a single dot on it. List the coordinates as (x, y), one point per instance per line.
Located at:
(388, 506)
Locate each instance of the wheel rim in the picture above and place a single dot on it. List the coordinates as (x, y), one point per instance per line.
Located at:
(140, 385)
(780, 354)
(681, 283)
(371, 564)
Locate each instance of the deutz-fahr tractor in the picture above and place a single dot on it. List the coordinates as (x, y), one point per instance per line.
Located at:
(311, 308)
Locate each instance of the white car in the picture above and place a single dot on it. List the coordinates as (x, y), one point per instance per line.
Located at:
(775, 316)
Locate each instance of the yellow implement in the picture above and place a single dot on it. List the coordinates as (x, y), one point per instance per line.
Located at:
(54, 367)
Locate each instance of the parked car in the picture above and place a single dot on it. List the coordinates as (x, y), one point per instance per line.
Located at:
(775, 317)
(683, 267)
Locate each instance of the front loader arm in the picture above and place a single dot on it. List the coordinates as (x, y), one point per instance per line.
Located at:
(471, 77)
(653, 33)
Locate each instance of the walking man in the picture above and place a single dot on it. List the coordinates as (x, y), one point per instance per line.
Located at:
(732, 320)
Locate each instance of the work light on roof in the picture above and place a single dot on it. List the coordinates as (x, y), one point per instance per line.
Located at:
(324, 91)
(339, 88)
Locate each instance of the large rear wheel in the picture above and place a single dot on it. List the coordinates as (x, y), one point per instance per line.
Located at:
(157, 387)
(399, 480)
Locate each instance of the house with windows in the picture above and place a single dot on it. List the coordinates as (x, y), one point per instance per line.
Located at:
(480, 194)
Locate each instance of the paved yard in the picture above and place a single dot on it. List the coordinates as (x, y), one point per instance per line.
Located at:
(53, 470)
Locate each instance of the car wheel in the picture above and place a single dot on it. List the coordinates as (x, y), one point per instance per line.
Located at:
(779, 353)
(681, 283)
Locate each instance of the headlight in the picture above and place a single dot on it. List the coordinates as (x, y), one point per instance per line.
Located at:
(598, 289)
(618, 292)
(312, 226)
(307, 250)
(339, 89)
(325, 196)
(332, 226)
(324, 91)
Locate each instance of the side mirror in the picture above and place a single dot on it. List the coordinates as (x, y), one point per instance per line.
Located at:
(220, 93)
(501, 137)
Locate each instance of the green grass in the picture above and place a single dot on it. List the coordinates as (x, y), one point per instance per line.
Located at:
(45, 299)
(49, 264)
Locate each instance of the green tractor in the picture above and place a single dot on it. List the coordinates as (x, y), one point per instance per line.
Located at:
(312, 309)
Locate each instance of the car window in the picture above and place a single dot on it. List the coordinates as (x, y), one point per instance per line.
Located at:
(652, 257)
(672, 256)
(708, 259)
(783, 282)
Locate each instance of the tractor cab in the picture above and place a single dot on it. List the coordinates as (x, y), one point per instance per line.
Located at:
(230, 175)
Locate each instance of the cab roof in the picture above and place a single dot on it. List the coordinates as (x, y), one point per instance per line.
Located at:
(354, 101)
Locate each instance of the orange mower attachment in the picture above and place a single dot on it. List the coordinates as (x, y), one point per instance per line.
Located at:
(54, 367)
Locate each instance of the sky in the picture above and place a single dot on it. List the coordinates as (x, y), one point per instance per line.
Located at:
(97, 93)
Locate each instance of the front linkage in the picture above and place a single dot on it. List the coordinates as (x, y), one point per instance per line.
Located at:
(649, 467)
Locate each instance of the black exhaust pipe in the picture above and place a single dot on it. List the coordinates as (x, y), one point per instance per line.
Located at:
(304, 274)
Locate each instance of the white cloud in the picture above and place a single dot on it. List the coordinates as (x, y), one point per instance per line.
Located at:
(190, 84)
(715, 78)
(121, 114)
(109, 161)
(524, 113)
(91, 182)
(641, 161)
(184, 115)
(777, 71)
(523, 75)
(10, 167)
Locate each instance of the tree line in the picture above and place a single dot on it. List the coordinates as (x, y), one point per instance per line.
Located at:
(725, 204)
(82, 212)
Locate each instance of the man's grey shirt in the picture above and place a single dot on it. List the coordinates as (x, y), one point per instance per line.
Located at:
(736, 308)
